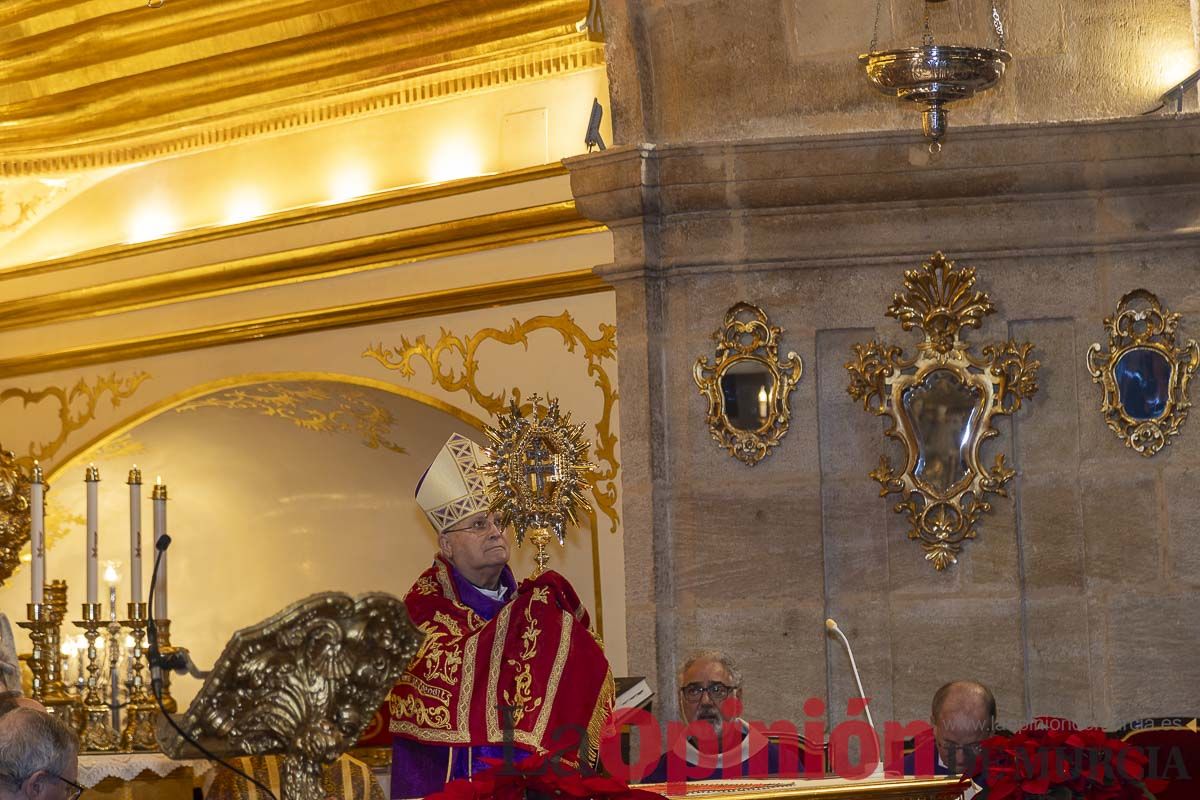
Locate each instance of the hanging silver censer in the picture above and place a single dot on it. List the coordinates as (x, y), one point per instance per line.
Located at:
(933, 75)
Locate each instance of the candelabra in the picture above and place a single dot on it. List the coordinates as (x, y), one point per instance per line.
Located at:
(138, 733)
(44, 626)
(97, 732)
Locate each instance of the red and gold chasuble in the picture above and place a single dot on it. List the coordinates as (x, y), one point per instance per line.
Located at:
(537, 661)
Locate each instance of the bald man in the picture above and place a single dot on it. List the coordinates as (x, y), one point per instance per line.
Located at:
(962, 716)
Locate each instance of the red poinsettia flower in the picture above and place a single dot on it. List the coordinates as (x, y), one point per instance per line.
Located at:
(1054, 758)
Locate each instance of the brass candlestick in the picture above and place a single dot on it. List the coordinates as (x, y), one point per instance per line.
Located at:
(44, 626)
(37, 624)
(141, 711)
(97, 733)
(164, 647)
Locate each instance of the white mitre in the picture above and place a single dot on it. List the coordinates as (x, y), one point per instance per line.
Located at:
(452, 489)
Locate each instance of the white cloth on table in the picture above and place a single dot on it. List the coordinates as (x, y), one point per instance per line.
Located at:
(95, 767)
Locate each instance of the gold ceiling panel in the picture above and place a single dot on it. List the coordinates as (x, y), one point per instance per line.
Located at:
(90, 83)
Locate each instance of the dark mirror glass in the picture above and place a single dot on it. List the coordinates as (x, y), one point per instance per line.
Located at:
(1143, 382)
(746, 390)
(944, 414)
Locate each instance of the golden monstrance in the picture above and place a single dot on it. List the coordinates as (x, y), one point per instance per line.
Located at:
(538, 474)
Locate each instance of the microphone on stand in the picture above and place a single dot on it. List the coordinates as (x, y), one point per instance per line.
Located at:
(158, 662)
(832, 627)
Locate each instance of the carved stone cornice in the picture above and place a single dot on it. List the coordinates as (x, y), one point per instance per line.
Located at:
(881, 198)
(91, 83)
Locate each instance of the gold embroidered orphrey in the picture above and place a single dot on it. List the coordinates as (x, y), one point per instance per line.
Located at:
(14, 513)
(943, 497)
(1142, 332)
(748, 339)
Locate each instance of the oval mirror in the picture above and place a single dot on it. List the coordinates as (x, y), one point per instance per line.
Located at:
(746, 389)
(944, 413)
(1143, 377)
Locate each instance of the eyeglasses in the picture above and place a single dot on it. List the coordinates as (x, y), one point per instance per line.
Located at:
(78, 790)
(478, 527)
(972, 749)
(716, 691)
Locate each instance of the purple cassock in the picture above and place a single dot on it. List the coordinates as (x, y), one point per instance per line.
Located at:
(419, 769)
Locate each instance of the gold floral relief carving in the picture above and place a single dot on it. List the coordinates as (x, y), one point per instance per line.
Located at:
(941, 403)
(454, 365)
(76, 408)
(1145, 374)
(311, 408)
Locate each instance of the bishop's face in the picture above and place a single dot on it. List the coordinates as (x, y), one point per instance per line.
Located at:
(476, 546)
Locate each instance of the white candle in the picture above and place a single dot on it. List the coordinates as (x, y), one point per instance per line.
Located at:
(92, 478)
(762, 402)
(135, 535)
(37, 533)
(160, 530)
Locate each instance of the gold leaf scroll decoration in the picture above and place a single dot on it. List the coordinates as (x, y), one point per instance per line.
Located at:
(311, 408)
(76, 408)
(454, 349)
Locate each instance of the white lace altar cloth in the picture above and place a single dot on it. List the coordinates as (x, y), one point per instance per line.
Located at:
(95, 767)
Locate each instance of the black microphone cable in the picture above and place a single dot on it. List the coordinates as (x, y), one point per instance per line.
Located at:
(155, 659)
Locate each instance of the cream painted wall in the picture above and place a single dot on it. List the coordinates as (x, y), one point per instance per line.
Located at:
(552, 361)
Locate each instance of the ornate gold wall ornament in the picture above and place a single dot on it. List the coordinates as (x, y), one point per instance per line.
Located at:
(451, 350)
(76, 407)
(941, 404)
(303, 684)
(748, 388)
(1144, 374)
(14, 513)
(323, 409)
(538, 474)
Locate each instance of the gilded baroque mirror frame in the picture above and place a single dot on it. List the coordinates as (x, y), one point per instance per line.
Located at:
(1144, 373)
(941, 403)
(747, 387)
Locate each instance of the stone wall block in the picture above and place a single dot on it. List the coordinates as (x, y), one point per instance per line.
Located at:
(1152, 644)
(1059, 658)
(1121, 529)
(1183, 543)
(1052, 535)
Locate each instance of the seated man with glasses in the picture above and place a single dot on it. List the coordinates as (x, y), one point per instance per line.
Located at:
(488, 643)
(963, 715)
(39, 756)
(710, 693)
